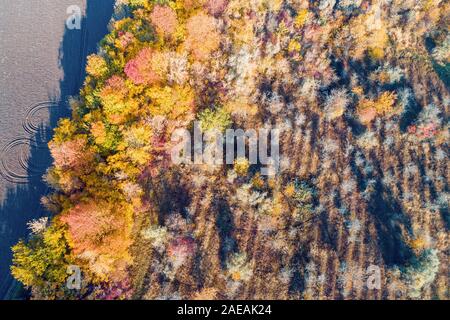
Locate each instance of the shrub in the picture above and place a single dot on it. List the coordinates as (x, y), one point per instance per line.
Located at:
(38, 226)
(367, 114)
(368, 109)
(385, 103)
(442, 52)
(207, 294)
(157, 235)
(301, 18)
(422, 272)
(336, 104)
(180, 249)
(241, 166)
(238, 268)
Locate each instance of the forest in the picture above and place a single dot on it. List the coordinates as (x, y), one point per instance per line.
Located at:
(358, 209)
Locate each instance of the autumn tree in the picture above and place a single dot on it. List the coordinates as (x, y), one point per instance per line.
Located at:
(42, 261)
(202, 36)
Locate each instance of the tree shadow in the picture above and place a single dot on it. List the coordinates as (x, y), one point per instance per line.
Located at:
(299, 260)
(22, 202)
(391, 223)
(226, 228)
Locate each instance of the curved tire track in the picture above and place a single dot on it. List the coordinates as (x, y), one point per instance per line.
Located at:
(24, 170)
(19, 169)
(28, 125)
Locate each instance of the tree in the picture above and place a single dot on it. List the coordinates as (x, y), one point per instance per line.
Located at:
(214, 119)
(42, 261)
(96, 66)
(216, 7)
(140, 70)
(336, 104)
(172, 102)
(138, 140)
(241, 166)
(180, 249)
(72, 154)
(368, 109)
(92, 226)
(165, 19)
(115, 99)
(202, 36)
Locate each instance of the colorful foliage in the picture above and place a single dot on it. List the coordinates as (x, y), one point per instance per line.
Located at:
(140, 69)
(96, 66)
(142, 226)
(202, 36)
(165, 19)
(43, 261)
